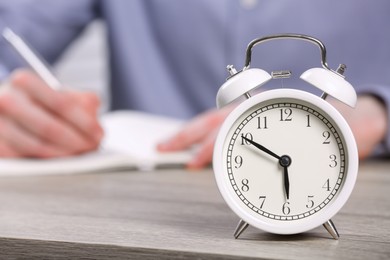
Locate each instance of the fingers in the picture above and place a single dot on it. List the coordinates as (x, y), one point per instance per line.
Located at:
(196, 130)
(204, 156)
(39, 123)
(190, 134)
(87, 100)
(7, 151)
(201, 130)
(59, 102)
(36, 121)
(15, 142)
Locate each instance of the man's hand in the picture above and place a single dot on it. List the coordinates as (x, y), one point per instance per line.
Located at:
(36, 121)
(201, 130)
(368, 121)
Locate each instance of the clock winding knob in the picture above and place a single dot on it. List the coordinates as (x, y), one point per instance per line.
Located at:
(232, 71)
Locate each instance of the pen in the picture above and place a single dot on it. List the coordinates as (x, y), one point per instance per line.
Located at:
(32, 58)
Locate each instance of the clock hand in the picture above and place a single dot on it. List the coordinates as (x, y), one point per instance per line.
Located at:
(285, 161)
(286, 182)
(262, 148)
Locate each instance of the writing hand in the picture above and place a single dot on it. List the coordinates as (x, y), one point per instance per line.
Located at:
(36, 121)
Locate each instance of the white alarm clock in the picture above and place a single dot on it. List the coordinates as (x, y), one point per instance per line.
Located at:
(285, 160)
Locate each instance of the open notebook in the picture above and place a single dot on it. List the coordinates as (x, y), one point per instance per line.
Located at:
(129, 143)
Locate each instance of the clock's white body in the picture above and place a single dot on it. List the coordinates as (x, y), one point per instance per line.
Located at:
(322, 173)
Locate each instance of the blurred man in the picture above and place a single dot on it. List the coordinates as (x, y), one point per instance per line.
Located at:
(169, 58)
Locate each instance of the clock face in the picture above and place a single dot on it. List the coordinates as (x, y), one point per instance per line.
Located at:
(284, 162)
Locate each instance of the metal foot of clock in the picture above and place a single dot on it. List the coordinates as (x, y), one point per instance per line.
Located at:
(331, 228)
(241, 226)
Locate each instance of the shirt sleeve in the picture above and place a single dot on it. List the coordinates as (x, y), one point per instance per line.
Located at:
(382, 92)
(48, 26)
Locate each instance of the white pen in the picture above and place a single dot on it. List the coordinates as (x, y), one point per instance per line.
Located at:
(32, 58)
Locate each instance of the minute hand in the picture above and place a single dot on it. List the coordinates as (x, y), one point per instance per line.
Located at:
(262, 148)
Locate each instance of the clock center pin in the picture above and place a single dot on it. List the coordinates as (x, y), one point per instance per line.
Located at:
(285, 161)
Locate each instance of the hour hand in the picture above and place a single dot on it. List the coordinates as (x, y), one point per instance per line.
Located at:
(286, 182)
(262, 148)
(285, 162)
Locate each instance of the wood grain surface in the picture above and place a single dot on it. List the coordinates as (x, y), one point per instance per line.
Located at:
(173, 214)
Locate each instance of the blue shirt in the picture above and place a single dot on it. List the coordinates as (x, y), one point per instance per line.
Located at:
(169, 57)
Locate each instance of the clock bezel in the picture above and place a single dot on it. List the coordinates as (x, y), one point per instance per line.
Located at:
(292, 227)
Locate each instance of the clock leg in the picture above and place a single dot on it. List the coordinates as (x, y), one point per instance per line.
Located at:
(331, 228)
(241, 226)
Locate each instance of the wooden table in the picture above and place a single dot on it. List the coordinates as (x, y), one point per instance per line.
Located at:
(173, 214)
